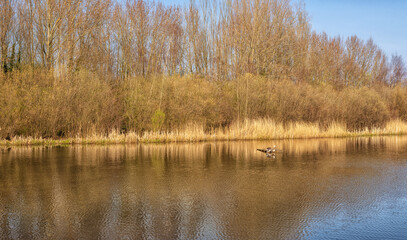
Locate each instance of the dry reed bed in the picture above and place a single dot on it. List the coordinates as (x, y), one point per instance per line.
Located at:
(260, 129)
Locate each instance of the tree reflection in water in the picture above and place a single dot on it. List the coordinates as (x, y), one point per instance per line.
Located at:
(205, 190)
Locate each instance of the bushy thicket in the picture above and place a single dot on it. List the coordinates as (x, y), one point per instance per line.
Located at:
(182, 99)
(35, 103)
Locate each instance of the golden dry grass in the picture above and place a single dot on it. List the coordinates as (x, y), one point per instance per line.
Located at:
(260, 129)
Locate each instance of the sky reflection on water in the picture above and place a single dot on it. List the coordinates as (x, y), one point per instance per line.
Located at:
(313, 189)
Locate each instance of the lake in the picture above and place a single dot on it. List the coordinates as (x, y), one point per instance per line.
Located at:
(352, 188)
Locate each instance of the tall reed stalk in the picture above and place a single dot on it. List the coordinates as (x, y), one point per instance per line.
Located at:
(259, 129)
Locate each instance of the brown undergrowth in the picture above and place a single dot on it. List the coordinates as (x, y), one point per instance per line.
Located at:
(261, 129)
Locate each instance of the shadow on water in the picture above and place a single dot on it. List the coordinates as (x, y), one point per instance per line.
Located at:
(312, 189)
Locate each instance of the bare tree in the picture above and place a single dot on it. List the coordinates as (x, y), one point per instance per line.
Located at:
(398, 71)
(6, 28)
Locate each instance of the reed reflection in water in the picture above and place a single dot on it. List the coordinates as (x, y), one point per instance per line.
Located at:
(329, 188)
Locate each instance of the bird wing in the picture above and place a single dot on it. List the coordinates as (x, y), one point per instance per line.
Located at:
(262, 150)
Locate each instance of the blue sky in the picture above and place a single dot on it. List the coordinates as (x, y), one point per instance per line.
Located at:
(385, 21)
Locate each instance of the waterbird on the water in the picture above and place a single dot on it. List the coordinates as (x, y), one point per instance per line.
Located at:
(269, 151)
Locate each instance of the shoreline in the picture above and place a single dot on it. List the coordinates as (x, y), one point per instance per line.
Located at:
(249, 130)
(31, 142)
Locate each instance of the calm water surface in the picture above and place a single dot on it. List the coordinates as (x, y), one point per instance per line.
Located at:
(312, 189)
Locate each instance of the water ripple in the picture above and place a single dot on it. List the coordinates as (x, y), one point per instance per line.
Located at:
(315, 189)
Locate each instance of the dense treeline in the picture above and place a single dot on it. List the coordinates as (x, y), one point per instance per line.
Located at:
(84, 66)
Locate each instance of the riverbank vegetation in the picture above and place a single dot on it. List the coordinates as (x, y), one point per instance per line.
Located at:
(262, 129)
(105, 71)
